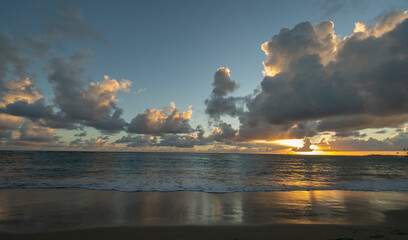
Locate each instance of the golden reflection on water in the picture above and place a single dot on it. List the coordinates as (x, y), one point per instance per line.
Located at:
(21, 210)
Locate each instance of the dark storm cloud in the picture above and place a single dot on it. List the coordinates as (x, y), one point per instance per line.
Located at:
(158, 122)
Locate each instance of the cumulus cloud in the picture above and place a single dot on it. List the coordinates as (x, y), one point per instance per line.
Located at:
(186, 141)
(32, 134)
(218, 104)
(94, 106)
(223, 83)
(19, 98)
(138, 140)
(316, 82)
(91, 143)
(224, 132)
(158, 122)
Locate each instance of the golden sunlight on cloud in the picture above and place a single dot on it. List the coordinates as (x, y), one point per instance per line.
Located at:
(297, 143)
(9, 121)
(19, 90)
(105, 91)
(385, 25)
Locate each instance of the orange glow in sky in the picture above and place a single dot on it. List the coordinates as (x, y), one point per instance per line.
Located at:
(297, 143)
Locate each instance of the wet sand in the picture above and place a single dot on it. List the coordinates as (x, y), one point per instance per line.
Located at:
(91, 214)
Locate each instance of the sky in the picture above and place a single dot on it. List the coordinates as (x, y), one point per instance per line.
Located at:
(291, 77)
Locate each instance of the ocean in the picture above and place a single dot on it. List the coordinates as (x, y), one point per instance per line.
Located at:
(201, 172)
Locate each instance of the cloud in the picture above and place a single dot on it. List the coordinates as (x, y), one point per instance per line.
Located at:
(223, 83)
(157, 122)
(19, 89)
(138, 141)
(65, 23)
(4, 134)
(306, 146)
(94, 106)
(316, 82)
(347, 134)
(224, 133)
(381, 131)
(81, 134)
(218, 105)
(98, 143)
(68, 22)
(19, 98)
(187, 141)
(32, 134)
(8, 122)
(393, 143)
(139, 91)
(331, 7)
(10, 59)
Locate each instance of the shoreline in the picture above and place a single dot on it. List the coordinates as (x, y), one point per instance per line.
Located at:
(273, 231)
(199, 191)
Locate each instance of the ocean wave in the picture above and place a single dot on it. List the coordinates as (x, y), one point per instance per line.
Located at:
(366, 185)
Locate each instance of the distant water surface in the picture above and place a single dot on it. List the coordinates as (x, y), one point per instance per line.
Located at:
(218, 173)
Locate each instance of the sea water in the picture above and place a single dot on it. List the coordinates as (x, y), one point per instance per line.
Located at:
(203, 172)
